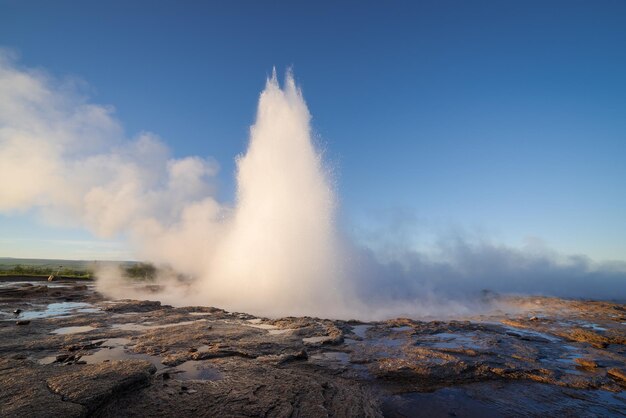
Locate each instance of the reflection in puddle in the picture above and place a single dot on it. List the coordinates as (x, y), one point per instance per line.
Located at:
(73, 330)
(59, 309)
(441, 403)
(194, 370)
(524, 333)
(390, 342)
(40, 283)
(113, 349)
(360, 330)
(594, 327)
(446, 340)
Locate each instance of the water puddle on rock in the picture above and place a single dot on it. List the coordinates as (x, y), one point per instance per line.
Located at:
(73, 330)
(525, 334)
(114, 349)
(194, 370)
(446, 402)
(594, 327)
(330, 357)
(446, 340)
(360, 330)
(54, 310)
(50, 285)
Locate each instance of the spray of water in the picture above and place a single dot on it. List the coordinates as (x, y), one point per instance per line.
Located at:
(277, 250)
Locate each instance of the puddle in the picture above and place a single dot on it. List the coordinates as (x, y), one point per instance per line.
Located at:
(195, 370)
(114, 349)
(360, 330)
(54, 310)
(444, 402)
(35, 283)
(527, 333)
(594, 327)
(390, 342)
(73, 330)
(147, 325)
(379, 344)
(453, 341)
(388, 347)
(566, 361)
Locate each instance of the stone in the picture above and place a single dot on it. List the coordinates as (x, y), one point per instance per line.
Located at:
(586, 363)
(93, 385)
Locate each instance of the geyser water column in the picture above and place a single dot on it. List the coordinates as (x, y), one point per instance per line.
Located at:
(280, 254)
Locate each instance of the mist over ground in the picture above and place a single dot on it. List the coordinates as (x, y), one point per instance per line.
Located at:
(279, 250)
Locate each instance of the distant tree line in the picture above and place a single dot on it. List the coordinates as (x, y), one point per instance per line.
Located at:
(140, 271)
(134, 271)
(26, 270)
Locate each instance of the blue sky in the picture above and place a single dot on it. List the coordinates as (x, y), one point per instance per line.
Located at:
(507, 119)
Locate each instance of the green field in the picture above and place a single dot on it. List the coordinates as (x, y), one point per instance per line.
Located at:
(80, 269)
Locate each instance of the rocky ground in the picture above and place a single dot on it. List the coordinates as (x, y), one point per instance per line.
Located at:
(67, 351)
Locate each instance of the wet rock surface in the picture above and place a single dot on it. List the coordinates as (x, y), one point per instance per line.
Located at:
(82, 355)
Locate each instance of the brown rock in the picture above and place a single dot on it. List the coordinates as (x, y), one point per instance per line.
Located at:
(586, 336)
(95, 384)
(586, 363)
(618, 374)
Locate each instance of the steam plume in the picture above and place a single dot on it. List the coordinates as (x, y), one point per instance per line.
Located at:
(276, 250)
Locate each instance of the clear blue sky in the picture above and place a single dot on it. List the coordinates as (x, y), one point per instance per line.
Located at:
(507, 117)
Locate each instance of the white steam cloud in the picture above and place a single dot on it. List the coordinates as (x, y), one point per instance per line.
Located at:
(278, 251)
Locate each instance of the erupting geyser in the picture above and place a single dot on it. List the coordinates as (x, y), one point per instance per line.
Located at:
(280, 248)
(277, 251)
